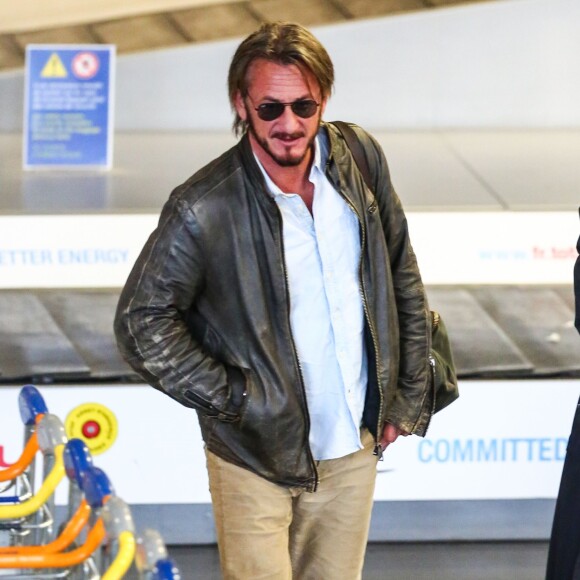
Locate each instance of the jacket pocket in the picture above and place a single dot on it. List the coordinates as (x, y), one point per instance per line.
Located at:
(238, 389)
(209, 409)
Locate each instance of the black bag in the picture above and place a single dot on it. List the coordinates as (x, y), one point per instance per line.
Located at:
(443, 373)
(442, 367)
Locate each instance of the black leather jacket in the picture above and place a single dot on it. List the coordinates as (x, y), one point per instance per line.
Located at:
(577, 285)
(204, 316)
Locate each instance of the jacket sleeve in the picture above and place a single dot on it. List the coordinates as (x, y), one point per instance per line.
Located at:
(150, 323)
(410, 409)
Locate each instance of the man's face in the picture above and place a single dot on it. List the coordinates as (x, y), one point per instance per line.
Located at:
(287, 139)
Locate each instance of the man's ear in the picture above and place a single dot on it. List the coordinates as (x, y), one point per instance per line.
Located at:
(240, 106)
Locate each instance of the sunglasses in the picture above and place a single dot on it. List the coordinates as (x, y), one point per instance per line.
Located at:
(303, 108)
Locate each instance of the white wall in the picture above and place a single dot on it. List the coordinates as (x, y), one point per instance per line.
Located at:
(509, 63)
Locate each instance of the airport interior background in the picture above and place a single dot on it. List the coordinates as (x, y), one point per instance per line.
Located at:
(475, 104)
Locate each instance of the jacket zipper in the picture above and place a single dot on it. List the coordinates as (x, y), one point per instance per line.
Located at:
(432, 371)
(313, 487)
(378, 448)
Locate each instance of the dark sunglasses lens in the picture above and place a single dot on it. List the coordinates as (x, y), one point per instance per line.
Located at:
(270, 111)
(304, 109)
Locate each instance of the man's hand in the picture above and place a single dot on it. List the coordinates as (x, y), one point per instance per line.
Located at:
(390, 434)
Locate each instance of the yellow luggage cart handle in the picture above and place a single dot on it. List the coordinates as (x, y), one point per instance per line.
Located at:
(29, 506)
(124, 558)
(71, 531)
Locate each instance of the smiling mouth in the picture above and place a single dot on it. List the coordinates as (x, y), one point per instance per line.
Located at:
(288, 137)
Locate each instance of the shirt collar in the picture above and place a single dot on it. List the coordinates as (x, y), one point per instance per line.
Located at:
(320, 155)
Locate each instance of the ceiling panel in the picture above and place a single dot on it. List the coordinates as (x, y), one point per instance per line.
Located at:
(371, 8)
(140, 33)
(214, 22)
(307, 12)
(452, 2)
(148, 24)
(11, 55)
(67, 35)
(39, 14)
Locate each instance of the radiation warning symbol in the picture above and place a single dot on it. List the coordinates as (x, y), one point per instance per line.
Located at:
(54, 69)
(95, 424)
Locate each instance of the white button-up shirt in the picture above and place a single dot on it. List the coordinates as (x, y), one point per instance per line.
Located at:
(322, 255)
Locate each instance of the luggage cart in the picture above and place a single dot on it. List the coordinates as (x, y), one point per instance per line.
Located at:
(20, 475)
(151, 558)
(113, 530)
(120, 538)
(165, 569)
(33, 516)
(77, 461)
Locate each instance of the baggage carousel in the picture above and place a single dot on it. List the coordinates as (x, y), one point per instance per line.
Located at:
(499, 332)
(54, 331)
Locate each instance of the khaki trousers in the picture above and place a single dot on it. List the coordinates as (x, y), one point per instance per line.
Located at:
(266, 531)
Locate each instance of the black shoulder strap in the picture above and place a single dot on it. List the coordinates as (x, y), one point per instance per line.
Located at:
(356, 150)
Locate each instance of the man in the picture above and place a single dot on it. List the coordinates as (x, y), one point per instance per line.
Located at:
(564, 550)
(280, 298)
(577, 284)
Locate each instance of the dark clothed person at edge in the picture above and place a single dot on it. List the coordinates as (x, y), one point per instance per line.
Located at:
(280, 298)
(564, 550)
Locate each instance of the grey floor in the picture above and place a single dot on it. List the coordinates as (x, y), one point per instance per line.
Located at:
(408, 561)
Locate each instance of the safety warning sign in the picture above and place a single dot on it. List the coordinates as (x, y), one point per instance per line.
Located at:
(54, 69)
(95, 424)
(85, 65)
(68, 106)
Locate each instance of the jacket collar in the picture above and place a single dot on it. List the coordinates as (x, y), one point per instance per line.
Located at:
(338, 160)
(334, 157)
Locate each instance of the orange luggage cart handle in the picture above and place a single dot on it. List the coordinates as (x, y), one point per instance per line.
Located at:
(60, 560)
(51, 440)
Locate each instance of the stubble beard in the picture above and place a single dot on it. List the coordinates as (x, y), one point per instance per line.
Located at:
(283, 161)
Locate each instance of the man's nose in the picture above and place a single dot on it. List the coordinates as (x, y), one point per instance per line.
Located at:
(289, 118)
